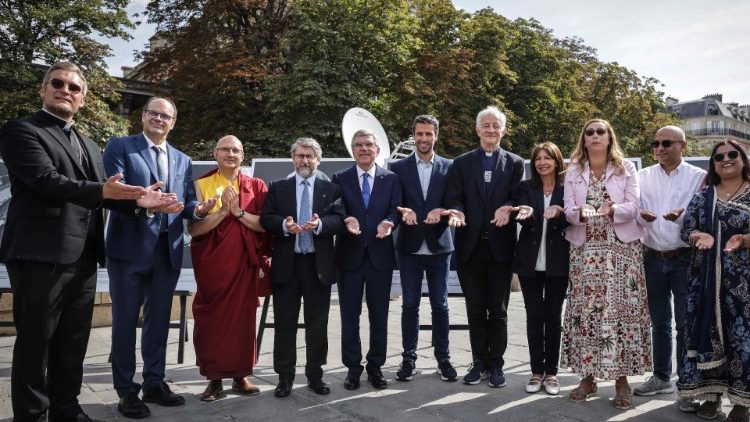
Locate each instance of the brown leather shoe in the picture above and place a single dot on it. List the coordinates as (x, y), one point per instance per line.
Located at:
(245, 387)
(214, 391)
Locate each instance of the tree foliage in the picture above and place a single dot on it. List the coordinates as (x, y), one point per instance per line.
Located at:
(271, 70)
(35, 34)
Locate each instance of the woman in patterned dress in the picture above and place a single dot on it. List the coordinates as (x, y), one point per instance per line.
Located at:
(717, 329)
(606, 326)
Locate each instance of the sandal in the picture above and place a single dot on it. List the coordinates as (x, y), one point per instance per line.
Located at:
(709, 409)
(624, 401)
(552, 385)
(580, 393)
(534, 384)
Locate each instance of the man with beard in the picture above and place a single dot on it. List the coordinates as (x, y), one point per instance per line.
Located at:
(425, 245)
(303, 266)
(227, 249)
(53, 240)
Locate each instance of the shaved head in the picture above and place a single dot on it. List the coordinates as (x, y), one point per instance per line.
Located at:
(675, 133)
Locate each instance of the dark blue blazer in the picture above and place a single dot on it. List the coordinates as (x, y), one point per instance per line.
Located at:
(466, 193)
(384, 198)
(530, 238)
(133, 237)
(438, 236)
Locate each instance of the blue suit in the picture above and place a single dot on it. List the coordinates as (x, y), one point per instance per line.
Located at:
(435, 262)
(144, 263)
(366, 262)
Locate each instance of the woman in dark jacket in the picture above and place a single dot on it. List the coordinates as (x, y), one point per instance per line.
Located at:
(541, 263)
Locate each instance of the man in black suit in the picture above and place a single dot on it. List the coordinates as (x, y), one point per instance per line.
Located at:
(52, 243)
(425, 246)
(481, 187)
(303, 265)
(365, 256)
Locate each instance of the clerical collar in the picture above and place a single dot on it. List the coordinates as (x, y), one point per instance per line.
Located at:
(64, 124)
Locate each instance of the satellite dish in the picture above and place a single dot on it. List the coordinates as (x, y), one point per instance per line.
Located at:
(358, 118)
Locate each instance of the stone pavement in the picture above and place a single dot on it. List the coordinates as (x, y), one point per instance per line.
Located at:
(426, 398)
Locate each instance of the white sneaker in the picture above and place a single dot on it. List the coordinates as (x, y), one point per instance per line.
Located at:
(534, 385)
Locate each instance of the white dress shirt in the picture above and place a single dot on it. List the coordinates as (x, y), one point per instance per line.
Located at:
(661, 193)
(162, 157)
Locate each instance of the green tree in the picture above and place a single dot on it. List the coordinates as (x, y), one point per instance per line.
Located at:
(213, 59)
(35, 34)
(340, 54)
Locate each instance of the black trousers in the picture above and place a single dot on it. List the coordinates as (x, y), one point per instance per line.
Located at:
(52, 308)
(544, 299)
(304, 285)
(486, 287)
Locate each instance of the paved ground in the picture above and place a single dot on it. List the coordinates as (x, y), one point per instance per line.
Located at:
(426, 398)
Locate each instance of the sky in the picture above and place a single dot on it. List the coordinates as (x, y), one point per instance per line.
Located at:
(694, 47)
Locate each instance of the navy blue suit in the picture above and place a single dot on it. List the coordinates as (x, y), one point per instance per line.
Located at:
(435, 262)
(144, 263)
(484, 251)
(366, 262)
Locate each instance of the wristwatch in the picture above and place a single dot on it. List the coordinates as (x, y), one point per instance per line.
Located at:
(242, 214)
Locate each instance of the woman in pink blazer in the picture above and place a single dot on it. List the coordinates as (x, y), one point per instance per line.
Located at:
(606, 325)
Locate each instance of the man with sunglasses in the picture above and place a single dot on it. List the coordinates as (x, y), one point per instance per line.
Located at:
(666, 190)
(53, 243)
(144, 254)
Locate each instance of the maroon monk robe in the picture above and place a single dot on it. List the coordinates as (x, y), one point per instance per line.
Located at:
(225, 261)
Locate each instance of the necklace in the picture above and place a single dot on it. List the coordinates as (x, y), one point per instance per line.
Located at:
(730, 196)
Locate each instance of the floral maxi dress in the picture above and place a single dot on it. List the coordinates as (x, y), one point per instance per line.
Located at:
(606, 329)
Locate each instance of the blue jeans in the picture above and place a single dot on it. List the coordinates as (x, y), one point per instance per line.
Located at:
(666, 278)
(412, 268)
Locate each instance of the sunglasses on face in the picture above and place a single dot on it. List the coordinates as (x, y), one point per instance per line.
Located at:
(666, 143)
(599, 131)
(60, 84)
(732, 155)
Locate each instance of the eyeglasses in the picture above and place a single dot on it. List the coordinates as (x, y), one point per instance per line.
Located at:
(666, 143)
(154, 114)
(302, 157)
(719, 157)
(60, 84)
(368, 145)
(227, 150)
(599, 131)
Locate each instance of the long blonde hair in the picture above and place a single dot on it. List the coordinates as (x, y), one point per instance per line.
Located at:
(615, 155)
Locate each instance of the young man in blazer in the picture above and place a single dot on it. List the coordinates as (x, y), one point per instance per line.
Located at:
(53, 243)
(303, 213)
(144, 252)
(425, 246)
(481, 187)
(365, 256)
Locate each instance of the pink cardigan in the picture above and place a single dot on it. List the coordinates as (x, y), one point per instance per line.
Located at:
(623, 189)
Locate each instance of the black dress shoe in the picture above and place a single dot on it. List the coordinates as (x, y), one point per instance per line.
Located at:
(283, 389)
(133, 407)
(319, 387)
(351, 382)
(377, 379)
(80, 417)
(162, 395)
